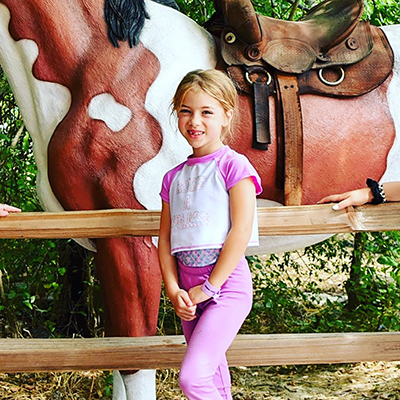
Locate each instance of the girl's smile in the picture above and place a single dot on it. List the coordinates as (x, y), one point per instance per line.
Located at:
(201, 120)
(194, 133)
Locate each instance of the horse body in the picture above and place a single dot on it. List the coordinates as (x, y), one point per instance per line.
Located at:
(103, 135)
(393, 160)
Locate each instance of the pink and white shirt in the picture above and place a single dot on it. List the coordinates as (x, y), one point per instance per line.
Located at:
(198, 194)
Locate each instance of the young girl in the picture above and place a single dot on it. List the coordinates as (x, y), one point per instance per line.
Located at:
(208, 219)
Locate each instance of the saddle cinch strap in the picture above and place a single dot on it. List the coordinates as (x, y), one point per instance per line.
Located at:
(329, 52)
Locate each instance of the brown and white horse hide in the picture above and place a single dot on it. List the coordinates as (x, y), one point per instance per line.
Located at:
(104, 135)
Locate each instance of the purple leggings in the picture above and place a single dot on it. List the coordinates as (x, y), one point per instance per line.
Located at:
(204, 373)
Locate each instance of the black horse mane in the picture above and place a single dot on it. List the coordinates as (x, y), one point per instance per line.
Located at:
(125, 19)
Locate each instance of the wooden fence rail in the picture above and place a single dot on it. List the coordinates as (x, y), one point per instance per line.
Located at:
(297, 220)
(34, 355)
(29, 355)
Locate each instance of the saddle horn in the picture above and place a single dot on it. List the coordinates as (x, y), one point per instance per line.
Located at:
(240, 15)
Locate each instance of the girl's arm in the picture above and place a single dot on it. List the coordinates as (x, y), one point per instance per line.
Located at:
(362, 196)
(180, 299)
(242, 209)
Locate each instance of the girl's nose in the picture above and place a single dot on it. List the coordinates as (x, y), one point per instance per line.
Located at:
(194, 120)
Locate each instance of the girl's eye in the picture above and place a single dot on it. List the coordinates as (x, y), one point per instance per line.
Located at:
(207, 112)
(184, 111)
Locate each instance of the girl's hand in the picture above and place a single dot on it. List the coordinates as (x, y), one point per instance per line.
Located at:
(197, 295)
(184, 306)
(353, 198)
(5, 209)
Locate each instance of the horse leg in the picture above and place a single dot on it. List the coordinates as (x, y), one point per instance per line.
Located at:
(130, 282)
(138, 386)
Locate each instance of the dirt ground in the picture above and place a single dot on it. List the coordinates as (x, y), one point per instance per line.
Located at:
(380, 380)
(356, 381)
(360, 381)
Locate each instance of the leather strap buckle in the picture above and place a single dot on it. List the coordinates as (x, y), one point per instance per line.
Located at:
(261, 127)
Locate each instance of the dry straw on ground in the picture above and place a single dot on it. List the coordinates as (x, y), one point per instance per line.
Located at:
(349, 382)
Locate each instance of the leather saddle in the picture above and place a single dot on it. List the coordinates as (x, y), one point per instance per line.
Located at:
(321, 38)
(328, 52)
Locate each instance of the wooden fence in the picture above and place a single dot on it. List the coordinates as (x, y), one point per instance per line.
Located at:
(29, 355)
(273, 221)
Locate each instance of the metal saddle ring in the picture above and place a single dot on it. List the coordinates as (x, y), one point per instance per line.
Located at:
(258, 70)
(331, 83)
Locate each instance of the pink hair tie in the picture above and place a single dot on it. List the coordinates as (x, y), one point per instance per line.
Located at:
(211, 290)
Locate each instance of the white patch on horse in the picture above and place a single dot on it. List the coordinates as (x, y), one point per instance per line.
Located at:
(180, 45)
(282, 244)
(138, 386)
(42, 104)
(393, 160)
(105, 108)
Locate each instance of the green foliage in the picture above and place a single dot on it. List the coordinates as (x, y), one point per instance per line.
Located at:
(379, 12)
(34, 284)
(198, 10)
(377, 283)
(289, 290)
(17, 163)
(384, 12)
(277, 304)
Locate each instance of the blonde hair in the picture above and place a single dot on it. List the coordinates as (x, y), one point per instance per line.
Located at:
(215, 83)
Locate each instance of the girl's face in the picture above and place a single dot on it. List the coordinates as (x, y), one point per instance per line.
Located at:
(201, 120)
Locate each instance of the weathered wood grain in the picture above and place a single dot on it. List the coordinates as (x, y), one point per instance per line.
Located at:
(296, 220)
(28, 355)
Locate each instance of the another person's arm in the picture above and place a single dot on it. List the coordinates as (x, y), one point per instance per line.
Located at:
(362, 196)
(5, 209)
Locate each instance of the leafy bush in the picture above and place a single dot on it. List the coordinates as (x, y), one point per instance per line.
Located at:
(35, 275)
(301, 292)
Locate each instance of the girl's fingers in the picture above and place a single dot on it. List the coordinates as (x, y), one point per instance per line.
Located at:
(184, 307)
(186, 299)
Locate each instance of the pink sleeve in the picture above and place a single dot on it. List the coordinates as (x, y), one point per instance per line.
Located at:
(167, 180)
(234, 169)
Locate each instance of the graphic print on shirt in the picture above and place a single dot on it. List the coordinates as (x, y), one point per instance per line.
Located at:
(189, 186)
(186, 205)
(198, 195)
(189, 218)
(199, 207)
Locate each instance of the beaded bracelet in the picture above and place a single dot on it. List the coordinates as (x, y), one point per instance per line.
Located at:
(377, 191)
(210, 290)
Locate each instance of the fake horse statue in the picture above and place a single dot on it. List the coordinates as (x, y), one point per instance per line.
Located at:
(103, 134)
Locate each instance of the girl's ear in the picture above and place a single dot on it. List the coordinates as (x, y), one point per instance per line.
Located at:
(229, 115)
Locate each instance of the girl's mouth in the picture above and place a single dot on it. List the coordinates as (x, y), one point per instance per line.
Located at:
(195, 133)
